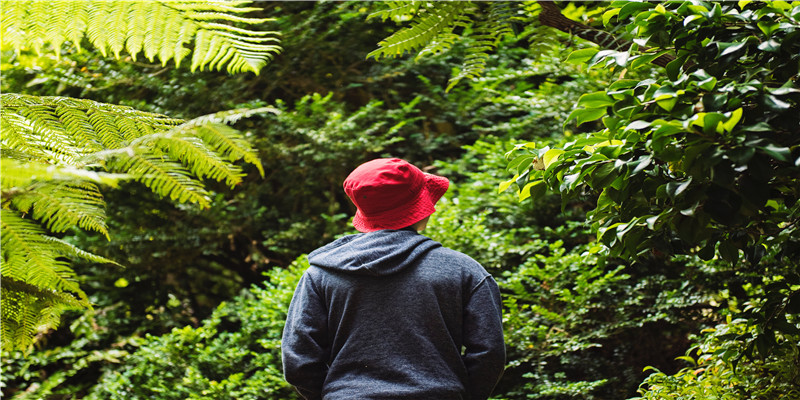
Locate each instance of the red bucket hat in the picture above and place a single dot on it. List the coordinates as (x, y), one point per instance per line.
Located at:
(390, 193)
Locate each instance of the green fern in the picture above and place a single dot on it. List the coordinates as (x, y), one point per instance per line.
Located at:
(61, 205)
(487, 36)
(396, 10)
(439, 19)
(158, 29)
(433, 31)
(55, 151)
(29, 309)
(37, 281)
(20, 173)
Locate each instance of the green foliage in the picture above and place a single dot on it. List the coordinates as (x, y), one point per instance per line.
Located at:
(433, 31)
(181, 261)
(54, 151)
(579, 324)
(702, 160)
(159, 29)
(717, 372)
(234, 354)
(575, 327)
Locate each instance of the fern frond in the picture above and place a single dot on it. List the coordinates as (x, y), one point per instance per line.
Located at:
(13, 26)
(69, 250)
(445, 40)
(62, 205)
(230, 116)
(61, 130)
(396, 10)
(53, 150)
(163, 29)
(232, 7)
(164, 177)
(440, 18)
(28, 256)
(228, 142)
(19, 174)
(240, 52)
(27, 309)
(192, 152)
(488, 34)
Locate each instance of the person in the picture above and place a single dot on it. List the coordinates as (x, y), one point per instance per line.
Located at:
(389, 313)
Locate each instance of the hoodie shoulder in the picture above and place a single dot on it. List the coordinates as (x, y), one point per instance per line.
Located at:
(376, 253)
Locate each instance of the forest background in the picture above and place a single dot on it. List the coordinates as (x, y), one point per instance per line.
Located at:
(650, 247)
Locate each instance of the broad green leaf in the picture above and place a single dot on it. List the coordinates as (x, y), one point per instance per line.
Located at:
(768, 27)
(710, 122)
(735, 117)
(523, 160)
(775, 104)
(632, 8)
(534, 190)
(506, 184)
(582, 56)
(550, 156)
(582, 115)
(666, 101)
(595, 100)
(673, 68)
(636, 125)
(775, 151)
(728, 251)
(728, 48)
(610, 14)
(675, 189)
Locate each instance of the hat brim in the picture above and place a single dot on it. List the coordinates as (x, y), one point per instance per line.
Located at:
(408, 214)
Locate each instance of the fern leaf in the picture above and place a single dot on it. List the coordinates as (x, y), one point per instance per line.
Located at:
(230, 116)
(193, 152)
(139, 16)
(396, 10)
(79, 127)
(159, 29)
(15, 134)
(443, 42)
(488, 33)
(13, 25)
(165, 177)
(117, 27)
(218, 16)
(69, 250)
(29, 256)
(18, 174)
(97, 30)
(64, 205)
(28, 309)
(433, 21)
(62, 130)
(77, 21)
(48, 146)
(229, 143)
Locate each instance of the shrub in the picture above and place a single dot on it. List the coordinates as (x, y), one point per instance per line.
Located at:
(718, 372)
(234, 354)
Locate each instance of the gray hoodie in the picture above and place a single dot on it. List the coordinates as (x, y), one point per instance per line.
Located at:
(392, 314)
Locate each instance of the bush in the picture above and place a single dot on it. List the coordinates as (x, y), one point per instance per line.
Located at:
(718, 372)
(234, 354)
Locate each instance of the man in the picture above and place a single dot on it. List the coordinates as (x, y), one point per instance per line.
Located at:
(389, 313)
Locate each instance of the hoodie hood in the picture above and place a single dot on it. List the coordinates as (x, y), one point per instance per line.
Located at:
(377, 253)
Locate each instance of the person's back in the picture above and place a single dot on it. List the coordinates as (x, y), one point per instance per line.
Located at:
(391, 314)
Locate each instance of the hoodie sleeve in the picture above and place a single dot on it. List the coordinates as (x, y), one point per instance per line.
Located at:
(484, 354)
(304, 347)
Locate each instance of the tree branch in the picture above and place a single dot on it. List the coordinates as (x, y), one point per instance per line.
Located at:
(551, 16)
